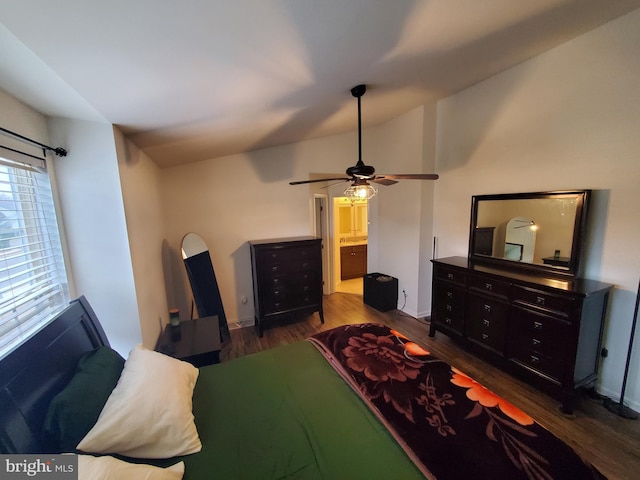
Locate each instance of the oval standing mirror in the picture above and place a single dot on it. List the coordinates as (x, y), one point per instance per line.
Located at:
(193, 244)
(520, 239)
(202, 278)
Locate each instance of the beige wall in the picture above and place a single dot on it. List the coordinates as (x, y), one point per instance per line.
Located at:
(569, 118)
(142, 197)
(232, 200)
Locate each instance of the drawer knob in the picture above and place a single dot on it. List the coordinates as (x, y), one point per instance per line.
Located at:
(449, 294)
(487, 308)
(534, 359)
(450, 276)
(535, 342)
(447, 321)
(540, 300)
(485, 336)
(449, 308)
(537, 325)
(486, 322)
(488, 286)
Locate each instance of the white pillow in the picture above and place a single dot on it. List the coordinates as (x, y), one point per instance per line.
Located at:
(149, 412)
(109, 468)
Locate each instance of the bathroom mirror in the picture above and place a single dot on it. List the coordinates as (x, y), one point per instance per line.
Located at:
(202, 278)
(539, 231)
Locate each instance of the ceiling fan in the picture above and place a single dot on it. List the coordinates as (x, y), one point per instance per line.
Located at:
(360, 174)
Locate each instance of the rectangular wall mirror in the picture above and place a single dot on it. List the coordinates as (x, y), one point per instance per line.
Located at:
(539, 231)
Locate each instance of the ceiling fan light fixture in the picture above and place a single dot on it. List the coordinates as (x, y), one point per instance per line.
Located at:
(360, 191)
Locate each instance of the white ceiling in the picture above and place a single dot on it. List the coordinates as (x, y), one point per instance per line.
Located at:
(188, 80)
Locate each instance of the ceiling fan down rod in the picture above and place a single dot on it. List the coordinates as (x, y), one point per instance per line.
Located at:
(357, 92)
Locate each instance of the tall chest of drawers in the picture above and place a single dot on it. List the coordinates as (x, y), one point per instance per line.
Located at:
(544, 330)
(287, 278)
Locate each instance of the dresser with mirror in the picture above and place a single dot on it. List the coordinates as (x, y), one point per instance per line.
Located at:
(518, 299)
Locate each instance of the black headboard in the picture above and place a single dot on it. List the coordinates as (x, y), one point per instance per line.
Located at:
(35, 372)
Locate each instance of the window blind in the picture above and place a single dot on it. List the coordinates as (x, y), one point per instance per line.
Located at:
(33, 282)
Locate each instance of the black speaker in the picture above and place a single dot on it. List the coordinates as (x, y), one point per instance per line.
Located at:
(380, 291)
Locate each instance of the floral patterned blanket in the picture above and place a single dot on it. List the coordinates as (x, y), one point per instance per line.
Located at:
(450, 425)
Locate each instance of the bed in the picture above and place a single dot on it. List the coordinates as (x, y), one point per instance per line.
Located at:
(357, 401)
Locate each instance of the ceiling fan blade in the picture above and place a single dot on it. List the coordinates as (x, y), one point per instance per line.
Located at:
(383, 181)
(300, 182)
(408, 176)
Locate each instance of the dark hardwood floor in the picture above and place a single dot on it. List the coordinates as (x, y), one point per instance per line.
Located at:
(610, 442)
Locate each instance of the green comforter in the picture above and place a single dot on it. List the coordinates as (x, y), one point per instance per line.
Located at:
(285, 413)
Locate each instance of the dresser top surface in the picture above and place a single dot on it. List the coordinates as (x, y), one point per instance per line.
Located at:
(268, 241)
(581, 286)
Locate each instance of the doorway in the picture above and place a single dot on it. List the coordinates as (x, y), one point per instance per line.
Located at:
(350, 226)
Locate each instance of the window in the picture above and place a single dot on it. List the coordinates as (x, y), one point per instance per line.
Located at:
(33, 282)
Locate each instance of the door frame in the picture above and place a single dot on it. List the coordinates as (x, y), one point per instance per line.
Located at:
(321, 230)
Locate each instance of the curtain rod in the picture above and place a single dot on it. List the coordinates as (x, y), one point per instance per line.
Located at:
(59, 151)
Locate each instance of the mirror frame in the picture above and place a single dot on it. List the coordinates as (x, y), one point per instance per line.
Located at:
(579, 228)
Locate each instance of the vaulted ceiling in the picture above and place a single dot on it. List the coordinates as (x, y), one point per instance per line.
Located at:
(196, 79)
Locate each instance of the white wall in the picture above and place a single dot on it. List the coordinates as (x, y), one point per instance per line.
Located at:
(397, 147)
(569, 118)
(427, 213)
(93, 217)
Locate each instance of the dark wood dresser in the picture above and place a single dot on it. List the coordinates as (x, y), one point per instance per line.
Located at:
(287, 277)
(545, 330)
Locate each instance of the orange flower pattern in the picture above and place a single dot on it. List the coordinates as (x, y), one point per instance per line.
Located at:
(452, 424)
(486, 398)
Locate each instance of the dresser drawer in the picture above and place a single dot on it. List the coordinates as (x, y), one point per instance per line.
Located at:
(275, 300)
(490, 286)
(449, 305)
(487, 321)
(449, 275)
(540, 341)
(280, 261)
(556, 304)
